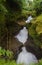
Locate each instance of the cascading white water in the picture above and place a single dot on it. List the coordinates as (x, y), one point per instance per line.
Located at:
(29, 19)
(23, 35)
(24, 56)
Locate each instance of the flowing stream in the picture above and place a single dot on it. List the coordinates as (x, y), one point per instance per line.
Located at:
(25, 57)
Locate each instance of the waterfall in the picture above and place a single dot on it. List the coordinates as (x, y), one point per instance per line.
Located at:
(24, 57)
(29, 19)
(23, 35)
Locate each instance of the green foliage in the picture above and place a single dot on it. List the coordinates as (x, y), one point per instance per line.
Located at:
(38, 6)
(2, 51)
(8, 62)
(7, 53)
(39, 63)
(38, 23)
(39, 28)
(8, 15)
(35, 30)
(12, 62)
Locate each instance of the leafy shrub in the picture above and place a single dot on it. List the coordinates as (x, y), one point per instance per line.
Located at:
(38, 24)
(2, 51)
(8, 62)
(35, 30)
(6, 53)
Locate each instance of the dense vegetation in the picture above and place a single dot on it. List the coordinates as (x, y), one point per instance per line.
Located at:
(12, 11)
